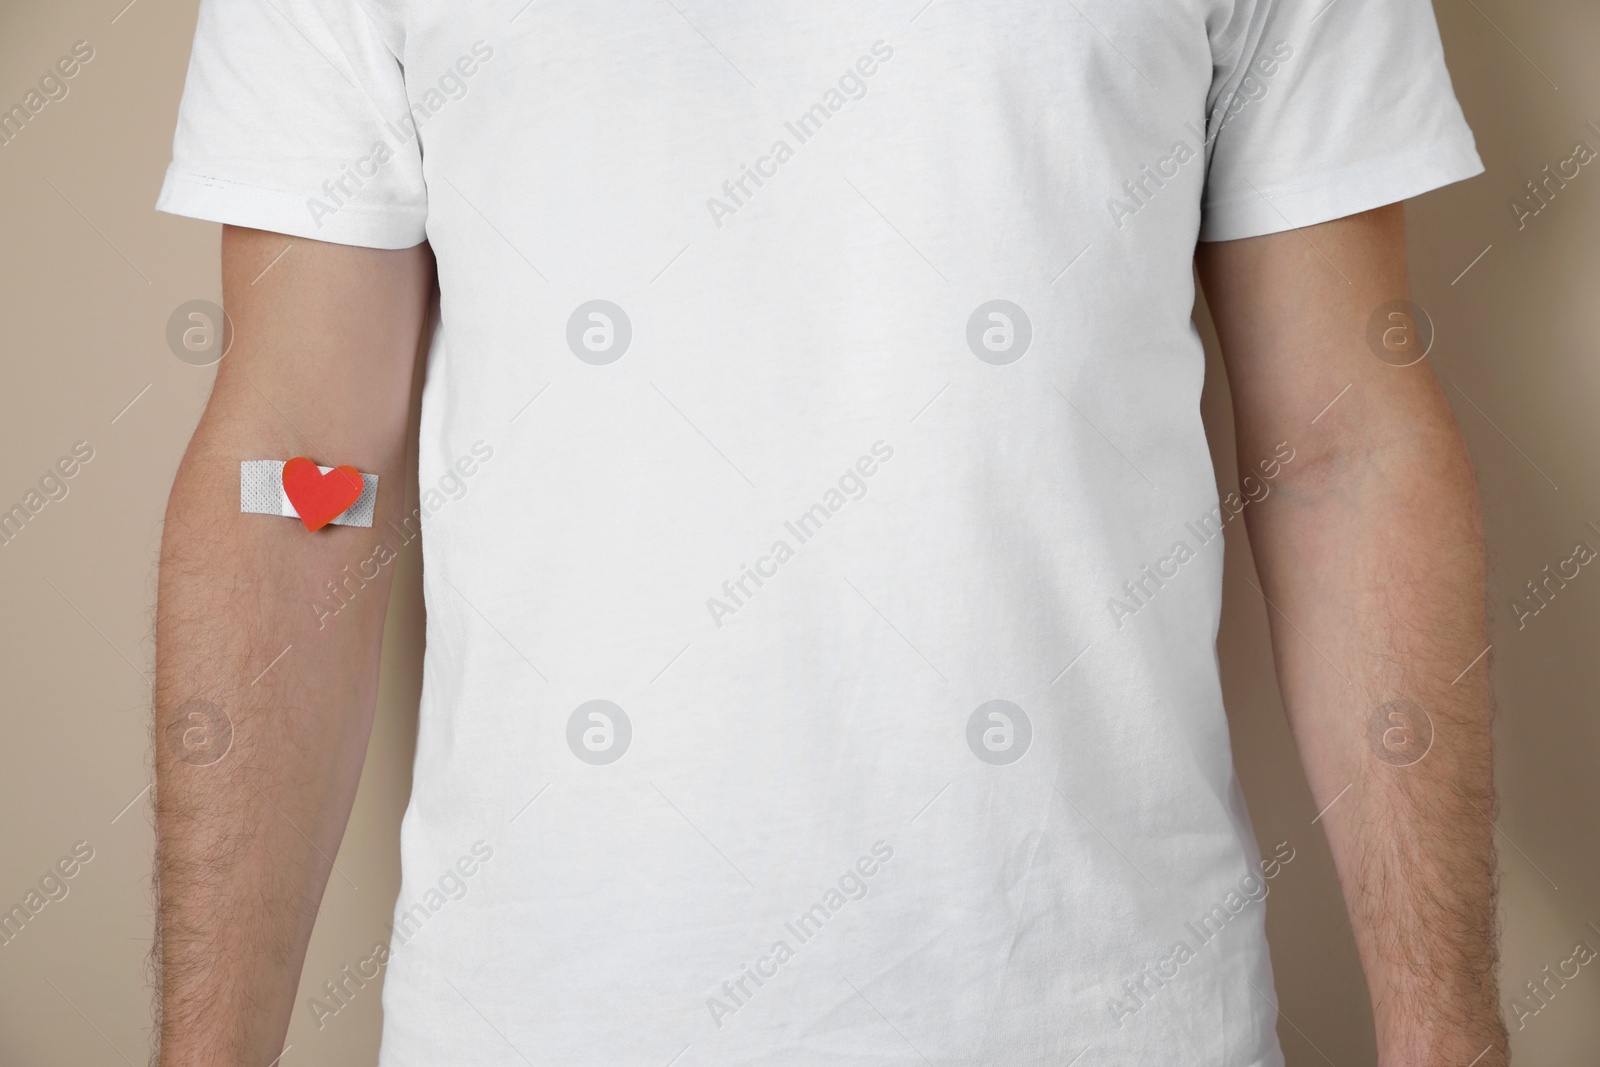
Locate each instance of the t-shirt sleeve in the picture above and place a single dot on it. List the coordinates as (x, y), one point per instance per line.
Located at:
(295, 119)
(1324, 108)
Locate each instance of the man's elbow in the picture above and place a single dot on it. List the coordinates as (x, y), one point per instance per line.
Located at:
(1380, 454)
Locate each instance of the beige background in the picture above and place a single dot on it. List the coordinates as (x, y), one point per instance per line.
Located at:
(89, 274)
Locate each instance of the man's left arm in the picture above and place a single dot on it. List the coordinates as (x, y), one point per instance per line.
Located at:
(1370, 554)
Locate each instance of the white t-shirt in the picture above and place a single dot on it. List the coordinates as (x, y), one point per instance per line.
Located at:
(821, 543)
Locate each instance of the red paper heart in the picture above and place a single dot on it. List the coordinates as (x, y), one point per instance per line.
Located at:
(319, 498)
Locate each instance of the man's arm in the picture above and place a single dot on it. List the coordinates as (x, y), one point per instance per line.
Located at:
(1370, 554)
(321, 365)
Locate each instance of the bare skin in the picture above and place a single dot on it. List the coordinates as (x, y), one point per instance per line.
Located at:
(1370, 553)
(1369, 543)
(322, 359)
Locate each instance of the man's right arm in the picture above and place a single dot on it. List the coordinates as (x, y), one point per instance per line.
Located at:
(321, 365)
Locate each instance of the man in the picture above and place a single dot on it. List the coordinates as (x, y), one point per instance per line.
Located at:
(820, 541)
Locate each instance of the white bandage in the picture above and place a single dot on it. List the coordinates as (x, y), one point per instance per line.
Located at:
(261, 493)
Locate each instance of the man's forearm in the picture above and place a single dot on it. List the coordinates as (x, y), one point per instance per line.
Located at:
(1373, 563)
(264, 697)
(252, 797)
